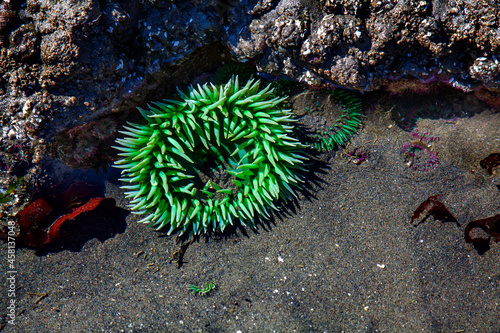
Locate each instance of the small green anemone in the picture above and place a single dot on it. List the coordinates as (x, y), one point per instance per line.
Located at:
(345, 126)
(218, 155)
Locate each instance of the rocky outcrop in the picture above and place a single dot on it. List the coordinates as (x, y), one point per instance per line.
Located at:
(363, 44)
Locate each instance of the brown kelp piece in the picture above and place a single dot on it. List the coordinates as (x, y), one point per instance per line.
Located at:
(490, 162)
(432, 206)
(490, 225)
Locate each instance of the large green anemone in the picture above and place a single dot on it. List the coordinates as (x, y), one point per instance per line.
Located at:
(218, 155)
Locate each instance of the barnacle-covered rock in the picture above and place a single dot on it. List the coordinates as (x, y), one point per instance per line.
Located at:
(24, 42)
(290, 28)
(262, 6)
(375, 41)
(486, 70)
(7, 17)
(58, 48)
(116, 54)
(327, 39)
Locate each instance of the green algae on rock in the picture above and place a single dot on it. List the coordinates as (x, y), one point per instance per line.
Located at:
(216, 155)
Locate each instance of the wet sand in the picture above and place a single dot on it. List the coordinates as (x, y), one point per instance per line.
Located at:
(343, 258)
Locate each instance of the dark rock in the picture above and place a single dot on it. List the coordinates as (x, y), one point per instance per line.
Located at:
(363, 44)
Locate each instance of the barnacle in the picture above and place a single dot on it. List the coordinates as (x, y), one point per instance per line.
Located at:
(217, 155)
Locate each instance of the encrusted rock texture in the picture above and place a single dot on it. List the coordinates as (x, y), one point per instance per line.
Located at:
(362, 44)
(69, 63)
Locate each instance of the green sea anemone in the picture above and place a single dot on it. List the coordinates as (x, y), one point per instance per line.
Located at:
(217, 155)
(345, 126)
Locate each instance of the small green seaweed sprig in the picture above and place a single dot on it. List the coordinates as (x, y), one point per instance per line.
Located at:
(345, 126)
(204, 290)
(5, 195)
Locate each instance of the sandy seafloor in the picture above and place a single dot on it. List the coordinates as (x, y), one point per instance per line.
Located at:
(344, 259)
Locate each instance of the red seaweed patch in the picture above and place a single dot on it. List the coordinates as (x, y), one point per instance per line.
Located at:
(41, 221)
